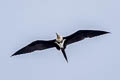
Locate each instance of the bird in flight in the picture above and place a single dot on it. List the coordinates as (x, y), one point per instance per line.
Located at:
(60, 42)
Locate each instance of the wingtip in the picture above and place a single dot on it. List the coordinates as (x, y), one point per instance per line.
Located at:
(107, 32)
(15, 54)
(12, 55)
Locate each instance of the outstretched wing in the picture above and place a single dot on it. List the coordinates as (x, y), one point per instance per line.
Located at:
(82, 34)
(36, 45)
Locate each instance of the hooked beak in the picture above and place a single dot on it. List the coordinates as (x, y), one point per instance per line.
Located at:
(58, 36)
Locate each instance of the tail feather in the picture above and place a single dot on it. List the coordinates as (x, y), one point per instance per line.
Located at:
(64, 54)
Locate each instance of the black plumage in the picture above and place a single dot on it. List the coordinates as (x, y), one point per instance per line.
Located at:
(75, 37)
(36, 45)
(82, 34)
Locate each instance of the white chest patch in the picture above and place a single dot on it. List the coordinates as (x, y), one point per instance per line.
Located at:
(61, 44)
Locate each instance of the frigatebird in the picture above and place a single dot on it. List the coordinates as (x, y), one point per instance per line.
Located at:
(60, 42)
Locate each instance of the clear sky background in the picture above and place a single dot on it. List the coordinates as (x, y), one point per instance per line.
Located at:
(24, 21)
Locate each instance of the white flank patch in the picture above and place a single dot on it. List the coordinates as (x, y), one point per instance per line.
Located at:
(61, 45)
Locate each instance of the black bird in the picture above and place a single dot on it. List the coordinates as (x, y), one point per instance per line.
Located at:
(61, 42)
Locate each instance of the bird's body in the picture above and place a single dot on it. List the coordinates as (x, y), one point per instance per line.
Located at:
(61, 42)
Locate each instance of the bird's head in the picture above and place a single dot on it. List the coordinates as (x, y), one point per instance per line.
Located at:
(59, 38)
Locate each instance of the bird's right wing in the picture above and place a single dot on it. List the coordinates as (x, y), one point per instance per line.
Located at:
(82, 34)
(36, 45)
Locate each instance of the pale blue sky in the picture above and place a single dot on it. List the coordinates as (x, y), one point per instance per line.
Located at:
(24, 21)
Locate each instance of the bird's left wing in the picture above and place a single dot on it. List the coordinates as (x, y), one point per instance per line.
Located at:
(36, 45)
(82, 34)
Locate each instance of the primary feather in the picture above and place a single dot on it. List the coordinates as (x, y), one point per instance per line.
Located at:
(36, 45)
(82, 34)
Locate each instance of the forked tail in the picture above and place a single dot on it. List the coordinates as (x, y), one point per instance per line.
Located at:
(64, 54)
